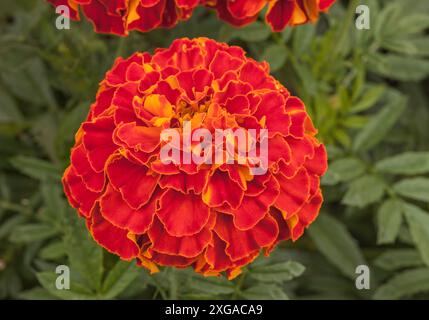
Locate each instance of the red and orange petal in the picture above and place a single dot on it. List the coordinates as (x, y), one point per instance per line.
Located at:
(280, 13)
(120, 16)
(214, 218)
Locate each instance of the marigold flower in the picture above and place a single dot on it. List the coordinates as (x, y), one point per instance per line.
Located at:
(120, 16)
(215, 218)
(280, 13)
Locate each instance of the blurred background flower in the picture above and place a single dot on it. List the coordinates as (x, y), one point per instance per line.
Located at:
(121, 16)
(280, 13)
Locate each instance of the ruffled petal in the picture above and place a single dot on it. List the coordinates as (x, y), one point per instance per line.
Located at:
(171, 260)
(98, 142)
(140, 138)
(272, 109)
(294, 192)
(185, 183)
(134, 181)
(112, 238)
(94, 181)
(114, 209)
(77, 193)
(254, 208)
(241, 244)
(182, 214)
(279, 14)
(186, 246)
(221, 190)
(318, 164)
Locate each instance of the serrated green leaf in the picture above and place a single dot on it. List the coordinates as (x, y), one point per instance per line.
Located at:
(343, 170)
(212, 286)
(380, 124)
(364, 191)
(48, 279)
(264, 292)
(53, 251)
(278, 272)
(85, 255)
(418, 221)
(70, 122)
(392, 22)
(396, 259)
(404, 284)
(29, 81)
(405, 163)
(335, 242)
(36, 168)
(413, 47)
(55, 207)
(119, 278)
(412, 24)
(414, 188)
(389, 220)
(369, 98)
(386, 20)
(32, 232)
(397, 67)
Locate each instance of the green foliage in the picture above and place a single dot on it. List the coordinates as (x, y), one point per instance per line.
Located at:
(366, 91)
(396, 259)
(389, 219)
(364, 191)
(404, 284)
(335, 242)
(414, 188)
(418, 221)
(278, 272)
(409, 163)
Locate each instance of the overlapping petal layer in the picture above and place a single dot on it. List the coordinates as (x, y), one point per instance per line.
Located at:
(213, 217)
(280, 13)
(120, 16)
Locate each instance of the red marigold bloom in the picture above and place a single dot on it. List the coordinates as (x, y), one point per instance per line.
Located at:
(215, 218)
(280, 13)
(120, 16)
